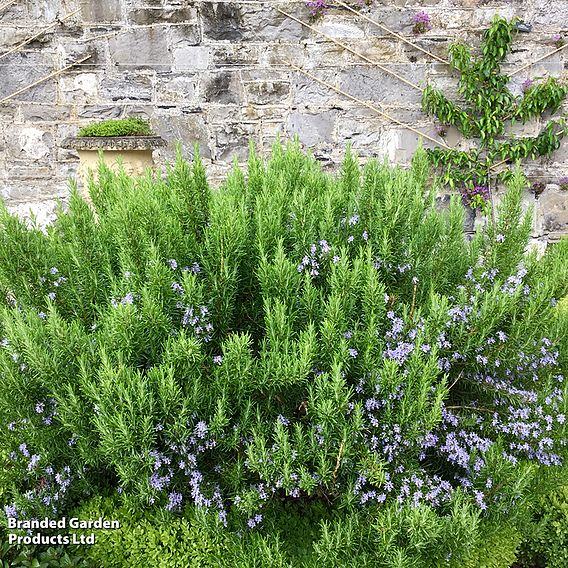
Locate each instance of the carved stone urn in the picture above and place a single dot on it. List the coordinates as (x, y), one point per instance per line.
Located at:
(134, 152)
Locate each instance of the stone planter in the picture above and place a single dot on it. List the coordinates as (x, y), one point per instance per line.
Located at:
(135, 153)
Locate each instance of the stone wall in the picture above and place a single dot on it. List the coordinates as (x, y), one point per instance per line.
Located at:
(216, 74)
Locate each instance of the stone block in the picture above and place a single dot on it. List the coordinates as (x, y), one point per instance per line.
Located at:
(236, 55)
(311, 129)
(189, 129)
(373, 84)
(397, 19)
(17, 190)
(9, 112)
(24, 68)
(100, 11)
(552, 212)
(128, 86)
(70, 52)
(142, 48)
(263, 22)
(363, 133)
(267, 92)
(189, 58)
(177, 89)
(158, 15)
(341, 28)
(380, 50)
(222, 21)
(46, 11)
(11, 36)
(82, 87)
(36, 112)
(31, 143)
(189, 34)
(223, 87)
(436, 45)
(42, 212)
(232, 140)
(280, 54)
(99, 112)
(308, 92)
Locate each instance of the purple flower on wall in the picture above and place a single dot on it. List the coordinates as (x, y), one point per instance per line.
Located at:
(317, 7)
(422, 23)
(527, 84)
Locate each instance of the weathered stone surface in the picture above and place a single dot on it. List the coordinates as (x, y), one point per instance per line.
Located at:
(82, 87)
(70, 52)
(222, 21)
(43, 212)
(364, 133)
(189, 34)
(266, 23)
(23, 69)
(268, 92)
(222, 88)
(35, 112)
(188, 129)
(311, 128)
(373, 84)
(177, 89)
(101, 10)
(552, 212)
(27, 142)
(232, 140)
(11, 36)
(342, 28)
(309, 93)
(129, 86)
(141, 47)
(146, 16)
(189, 58)
(99, 112)
(223, 55)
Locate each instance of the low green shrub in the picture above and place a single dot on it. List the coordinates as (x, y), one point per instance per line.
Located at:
(133, 126)
(546, 544)
(291, 339)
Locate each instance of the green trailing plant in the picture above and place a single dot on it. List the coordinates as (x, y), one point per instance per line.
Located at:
(290, 340)
(489, 108)
(133, 126)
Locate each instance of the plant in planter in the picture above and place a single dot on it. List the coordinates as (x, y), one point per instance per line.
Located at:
(126, 142)
(133, 126)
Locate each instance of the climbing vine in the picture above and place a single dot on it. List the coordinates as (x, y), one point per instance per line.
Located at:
(489, 107)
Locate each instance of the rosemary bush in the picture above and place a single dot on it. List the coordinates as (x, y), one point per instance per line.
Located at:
(290, 339)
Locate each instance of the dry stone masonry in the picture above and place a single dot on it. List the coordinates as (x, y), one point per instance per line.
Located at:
(217, 74)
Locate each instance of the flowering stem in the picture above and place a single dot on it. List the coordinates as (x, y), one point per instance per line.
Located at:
(339, 456)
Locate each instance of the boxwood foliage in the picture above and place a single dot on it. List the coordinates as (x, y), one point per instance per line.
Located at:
(289, 339)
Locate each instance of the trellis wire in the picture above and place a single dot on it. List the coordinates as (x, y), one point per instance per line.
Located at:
(368, 105)
(384, 28)
(58, 72)
(41, 32)
(347, 48)
(6, 4)
(539, 59)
